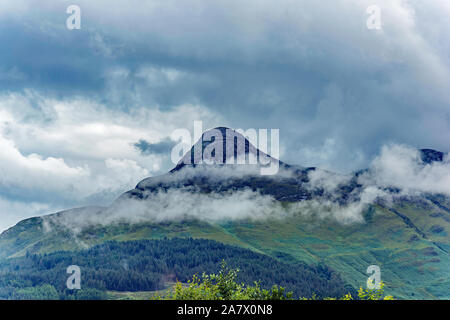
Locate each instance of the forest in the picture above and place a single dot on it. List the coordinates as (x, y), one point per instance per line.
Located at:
(150, 265)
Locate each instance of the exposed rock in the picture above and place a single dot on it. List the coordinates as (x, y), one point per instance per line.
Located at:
(429, 156)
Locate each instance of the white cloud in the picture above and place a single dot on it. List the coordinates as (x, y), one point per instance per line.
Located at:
(397, 166)
(400, 166)
(71, 151)
(34, 171)
(182, 204)
(329, 181)
(12, 211)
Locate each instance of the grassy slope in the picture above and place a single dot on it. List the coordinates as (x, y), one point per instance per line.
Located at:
(410, 264)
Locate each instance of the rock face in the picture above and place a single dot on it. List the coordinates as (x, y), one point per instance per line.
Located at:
(203, 170)
(222, 161)
(429, 156)
(224, 146)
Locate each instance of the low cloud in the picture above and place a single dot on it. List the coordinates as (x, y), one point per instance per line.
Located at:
(327, 180)
(349, 213)
(12, 210)
(397, 171)
(400, 166)
(176, 205)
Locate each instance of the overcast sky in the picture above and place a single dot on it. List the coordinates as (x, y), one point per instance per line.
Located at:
(86, 114)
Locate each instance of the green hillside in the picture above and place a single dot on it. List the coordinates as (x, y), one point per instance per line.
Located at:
(153, 265)
(410, 243)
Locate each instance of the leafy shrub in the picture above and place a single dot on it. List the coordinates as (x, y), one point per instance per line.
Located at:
(223, 286)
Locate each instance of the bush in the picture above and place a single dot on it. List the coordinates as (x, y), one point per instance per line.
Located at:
(44, 292)
(223, 286)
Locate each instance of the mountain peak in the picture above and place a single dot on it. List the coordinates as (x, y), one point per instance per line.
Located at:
(225, 146)
(429, 156)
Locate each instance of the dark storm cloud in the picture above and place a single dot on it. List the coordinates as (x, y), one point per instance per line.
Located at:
(58, 65)
(337, 90)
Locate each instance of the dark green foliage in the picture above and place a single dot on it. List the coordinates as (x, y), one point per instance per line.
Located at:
(148, 265)
(43, 292)
(223, 286)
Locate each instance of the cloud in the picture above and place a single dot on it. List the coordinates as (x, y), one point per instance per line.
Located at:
(400, 166)
(74, 100)
(163, 147)
(326, 180)
(311, 69)
(17, 169)
(169, 198)
(397, 172)
(73, 152)
(184, 205)
(179, 205)
(12, 211)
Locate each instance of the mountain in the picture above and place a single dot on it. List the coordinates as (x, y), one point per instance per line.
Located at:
(428, 156)
(288, 184)
(408, 236)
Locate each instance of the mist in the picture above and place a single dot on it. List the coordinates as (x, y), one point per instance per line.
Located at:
(397, 171)
(401, 167)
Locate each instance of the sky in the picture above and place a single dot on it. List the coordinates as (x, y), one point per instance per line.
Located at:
(85, 114)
